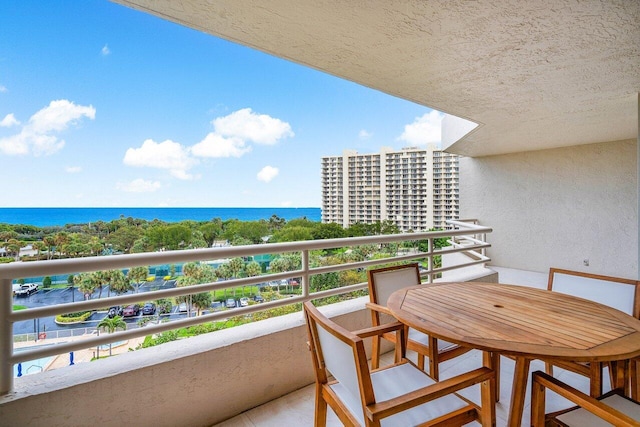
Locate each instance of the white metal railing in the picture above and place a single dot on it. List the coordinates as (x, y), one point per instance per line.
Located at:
(465, 236)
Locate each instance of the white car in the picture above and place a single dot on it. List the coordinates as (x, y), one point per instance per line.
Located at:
(244, 302)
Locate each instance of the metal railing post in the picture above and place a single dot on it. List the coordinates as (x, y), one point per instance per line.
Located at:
(305, 273)
(6, 336)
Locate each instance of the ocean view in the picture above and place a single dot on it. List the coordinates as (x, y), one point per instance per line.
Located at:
(45, 217)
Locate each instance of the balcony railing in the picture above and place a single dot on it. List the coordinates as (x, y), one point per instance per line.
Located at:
(465, 237)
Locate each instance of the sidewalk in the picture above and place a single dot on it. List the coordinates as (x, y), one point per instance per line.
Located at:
(80, 356)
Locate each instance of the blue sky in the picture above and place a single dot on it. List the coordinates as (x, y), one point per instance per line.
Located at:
(105, 106)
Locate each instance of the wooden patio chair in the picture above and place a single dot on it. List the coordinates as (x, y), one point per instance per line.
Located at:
(395, 396)
(382, 283)
(615, 292)
(612, 408)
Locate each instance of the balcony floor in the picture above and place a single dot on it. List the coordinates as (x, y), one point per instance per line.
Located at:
(297, 408)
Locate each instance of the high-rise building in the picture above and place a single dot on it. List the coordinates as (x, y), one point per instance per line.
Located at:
(415, 188)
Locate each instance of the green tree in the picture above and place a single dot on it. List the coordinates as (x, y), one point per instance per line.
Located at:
(252, 269)
(111, 325)
(119, 283)
(236, 265)
(328, 231)
(253, 231)
(60, 240)
(211, 231)
(123, 238)
(194, 274)
(101, 278)
(137, 275)
(46, 282)
(85, 284)
(321, 282)
(96, 246)
(292, 234)
(49, 242)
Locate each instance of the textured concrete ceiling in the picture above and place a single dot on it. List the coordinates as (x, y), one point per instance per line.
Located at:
(534, 74)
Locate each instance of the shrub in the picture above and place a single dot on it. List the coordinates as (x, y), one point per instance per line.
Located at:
(73, 317)
(46, 282)
(163, 305)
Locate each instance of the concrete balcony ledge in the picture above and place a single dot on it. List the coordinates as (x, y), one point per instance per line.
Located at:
(198, 381)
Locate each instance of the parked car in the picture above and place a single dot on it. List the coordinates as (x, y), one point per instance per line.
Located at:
(149, 308)
(231, 303)
(217, 305)
(258, 298)
(114, 311)
(182, 307)
(131, 310)
(244, 302)
(26, 290)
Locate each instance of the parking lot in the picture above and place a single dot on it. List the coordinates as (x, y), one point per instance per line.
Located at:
(46, 297)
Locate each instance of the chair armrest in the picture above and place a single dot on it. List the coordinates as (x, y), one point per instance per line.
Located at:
(583, 400)
(377, 307)
(379, 330)
(422, 395)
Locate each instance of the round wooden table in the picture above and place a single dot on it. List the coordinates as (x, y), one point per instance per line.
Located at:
(522, 322)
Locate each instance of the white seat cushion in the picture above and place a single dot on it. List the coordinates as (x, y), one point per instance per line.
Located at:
(396, 381)
(423, 339)
(583, 418)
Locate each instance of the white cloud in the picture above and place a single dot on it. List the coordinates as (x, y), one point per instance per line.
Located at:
(246, 125)
(424, 130)
(363, 134)
(105, 50)
(36, 136)
(3, 88)
(73, 169)
(59, 115)
(164, 155)
(268, 173)
(216, 146)
(9, 120)
(139, 186)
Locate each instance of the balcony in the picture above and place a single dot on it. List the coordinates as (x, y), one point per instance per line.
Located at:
(253, 364)
(552, 166)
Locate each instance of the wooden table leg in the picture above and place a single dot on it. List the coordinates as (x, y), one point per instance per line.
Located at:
(620, 374)
(518, 391)
(492, 360)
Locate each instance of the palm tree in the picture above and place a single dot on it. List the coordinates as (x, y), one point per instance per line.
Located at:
(252, 269)
(111, 325)
(101, 278)
(118, 282)
(236, 265)
(49, 242)
(85, 284)
(60, 240)
(137, 275)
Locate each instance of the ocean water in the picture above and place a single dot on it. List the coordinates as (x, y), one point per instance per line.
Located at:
(44, 217)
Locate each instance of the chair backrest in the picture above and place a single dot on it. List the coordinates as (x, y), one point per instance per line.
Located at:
(621, 294)
(385, 281)
(340, 352)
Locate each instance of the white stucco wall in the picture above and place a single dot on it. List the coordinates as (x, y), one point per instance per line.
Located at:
(558, 207)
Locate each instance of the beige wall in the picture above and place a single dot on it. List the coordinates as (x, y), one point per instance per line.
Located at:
(558, 207)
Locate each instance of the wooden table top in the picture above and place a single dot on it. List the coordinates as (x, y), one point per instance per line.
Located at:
(518, 320)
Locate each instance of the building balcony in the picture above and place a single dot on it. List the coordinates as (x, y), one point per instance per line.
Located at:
(216, 376)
